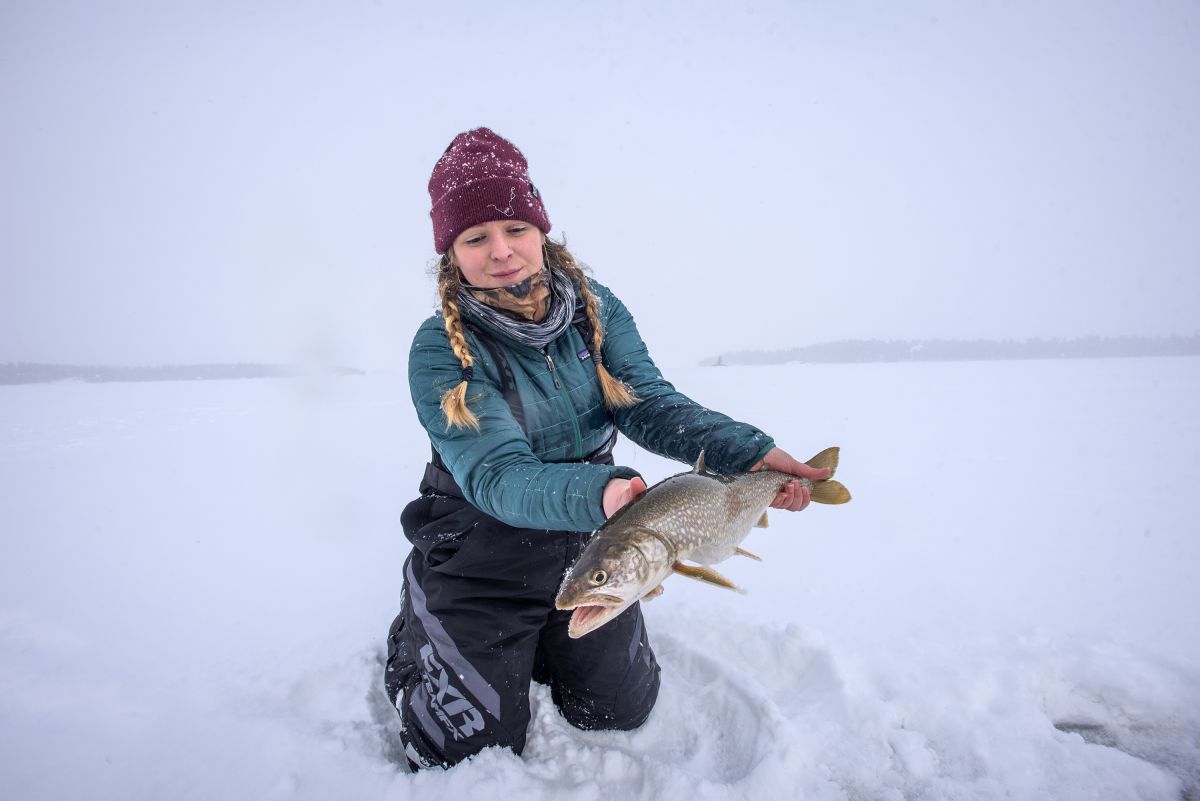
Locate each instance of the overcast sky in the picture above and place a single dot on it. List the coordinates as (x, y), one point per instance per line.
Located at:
(247, 181)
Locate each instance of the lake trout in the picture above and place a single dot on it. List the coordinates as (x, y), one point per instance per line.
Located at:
(695, 516)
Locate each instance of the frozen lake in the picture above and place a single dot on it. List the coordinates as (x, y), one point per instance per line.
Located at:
(197, 577)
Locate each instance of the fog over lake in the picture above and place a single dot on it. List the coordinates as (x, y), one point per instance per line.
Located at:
(246, 183)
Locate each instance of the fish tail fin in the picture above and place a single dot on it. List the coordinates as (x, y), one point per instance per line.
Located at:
(830, 492)
(827, 458)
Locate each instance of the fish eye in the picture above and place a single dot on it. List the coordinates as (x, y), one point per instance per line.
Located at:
(599, 577)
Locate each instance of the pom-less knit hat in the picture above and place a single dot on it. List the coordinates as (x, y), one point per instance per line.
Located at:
(481, 177)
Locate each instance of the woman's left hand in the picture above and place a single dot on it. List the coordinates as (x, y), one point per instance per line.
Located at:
(794, 496)
(620, 491)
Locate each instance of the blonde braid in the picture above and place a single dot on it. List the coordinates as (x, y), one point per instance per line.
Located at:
(454, 401)
(617, 394)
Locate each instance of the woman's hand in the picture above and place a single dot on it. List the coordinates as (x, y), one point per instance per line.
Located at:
(794, 496)
(620, 491)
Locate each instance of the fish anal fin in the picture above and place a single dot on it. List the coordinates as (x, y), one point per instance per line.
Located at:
(744, 552)
(830, 492)
(706, 574)
(762, 521)
(827, 458)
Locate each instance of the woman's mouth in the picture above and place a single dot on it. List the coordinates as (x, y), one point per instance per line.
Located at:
(508, 276)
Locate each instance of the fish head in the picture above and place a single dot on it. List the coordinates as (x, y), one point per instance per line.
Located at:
(610, 575)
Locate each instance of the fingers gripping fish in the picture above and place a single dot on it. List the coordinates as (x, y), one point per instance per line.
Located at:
(695, 517)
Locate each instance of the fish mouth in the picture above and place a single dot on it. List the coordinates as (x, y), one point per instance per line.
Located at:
(595, 599)
(586, 619)
(593, 613)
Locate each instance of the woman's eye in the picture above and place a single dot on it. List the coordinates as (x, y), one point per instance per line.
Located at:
(475, 240)
(518, 229)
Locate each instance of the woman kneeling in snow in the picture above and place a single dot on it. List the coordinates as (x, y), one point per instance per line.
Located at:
(522, 383)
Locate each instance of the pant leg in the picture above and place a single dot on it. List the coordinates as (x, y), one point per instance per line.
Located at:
(607, 679)
(477, 594)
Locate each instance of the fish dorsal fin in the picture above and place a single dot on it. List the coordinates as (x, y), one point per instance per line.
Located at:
(699, 468)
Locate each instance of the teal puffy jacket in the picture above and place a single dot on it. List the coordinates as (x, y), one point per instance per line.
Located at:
(533, 478)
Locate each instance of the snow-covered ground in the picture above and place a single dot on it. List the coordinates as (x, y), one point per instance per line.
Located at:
(196, 579)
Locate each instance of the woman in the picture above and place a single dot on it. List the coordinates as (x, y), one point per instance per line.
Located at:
(522, 383)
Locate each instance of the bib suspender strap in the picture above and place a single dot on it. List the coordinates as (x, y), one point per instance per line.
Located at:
(437, 478)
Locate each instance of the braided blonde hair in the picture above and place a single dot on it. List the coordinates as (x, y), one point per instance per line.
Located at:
(617, 394)
(454, 401)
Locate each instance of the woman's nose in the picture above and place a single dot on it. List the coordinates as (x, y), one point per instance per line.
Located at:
(500, 248)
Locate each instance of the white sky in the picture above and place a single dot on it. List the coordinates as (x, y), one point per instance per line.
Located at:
(247, 181)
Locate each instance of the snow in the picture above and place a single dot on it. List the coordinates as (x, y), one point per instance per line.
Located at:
(197, 578)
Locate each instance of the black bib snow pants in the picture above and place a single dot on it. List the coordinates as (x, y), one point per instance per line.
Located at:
(478, 622)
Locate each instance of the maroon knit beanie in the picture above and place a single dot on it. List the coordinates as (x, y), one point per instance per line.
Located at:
(481, 177)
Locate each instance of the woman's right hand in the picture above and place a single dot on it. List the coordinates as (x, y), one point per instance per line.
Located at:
(620, 491)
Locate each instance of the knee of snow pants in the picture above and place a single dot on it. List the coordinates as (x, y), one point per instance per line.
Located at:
(608, 679)
(478, 616)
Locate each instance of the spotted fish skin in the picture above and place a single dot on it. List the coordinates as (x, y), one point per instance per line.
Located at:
(691, 517)
(704, 517)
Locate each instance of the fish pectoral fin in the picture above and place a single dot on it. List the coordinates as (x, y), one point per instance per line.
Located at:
(706, 574)
(744, 552)
(762, 521)
(830, 492)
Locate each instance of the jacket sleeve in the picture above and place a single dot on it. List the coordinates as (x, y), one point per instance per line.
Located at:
(495, 466)
(665, 421)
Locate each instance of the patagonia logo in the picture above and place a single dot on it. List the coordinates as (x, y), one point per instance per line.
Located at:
(584, 355)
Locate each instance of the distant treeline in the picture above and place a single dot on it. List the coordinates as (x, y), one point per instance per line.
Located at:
(34, 373)
(946, 350)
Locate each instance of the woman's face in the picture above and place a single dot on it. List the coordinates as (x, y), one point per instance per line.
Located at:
(498, 253)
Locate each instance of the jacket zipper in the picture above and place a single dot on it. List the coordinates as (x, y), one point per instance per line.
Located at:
(553, 370)
(567, 402)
